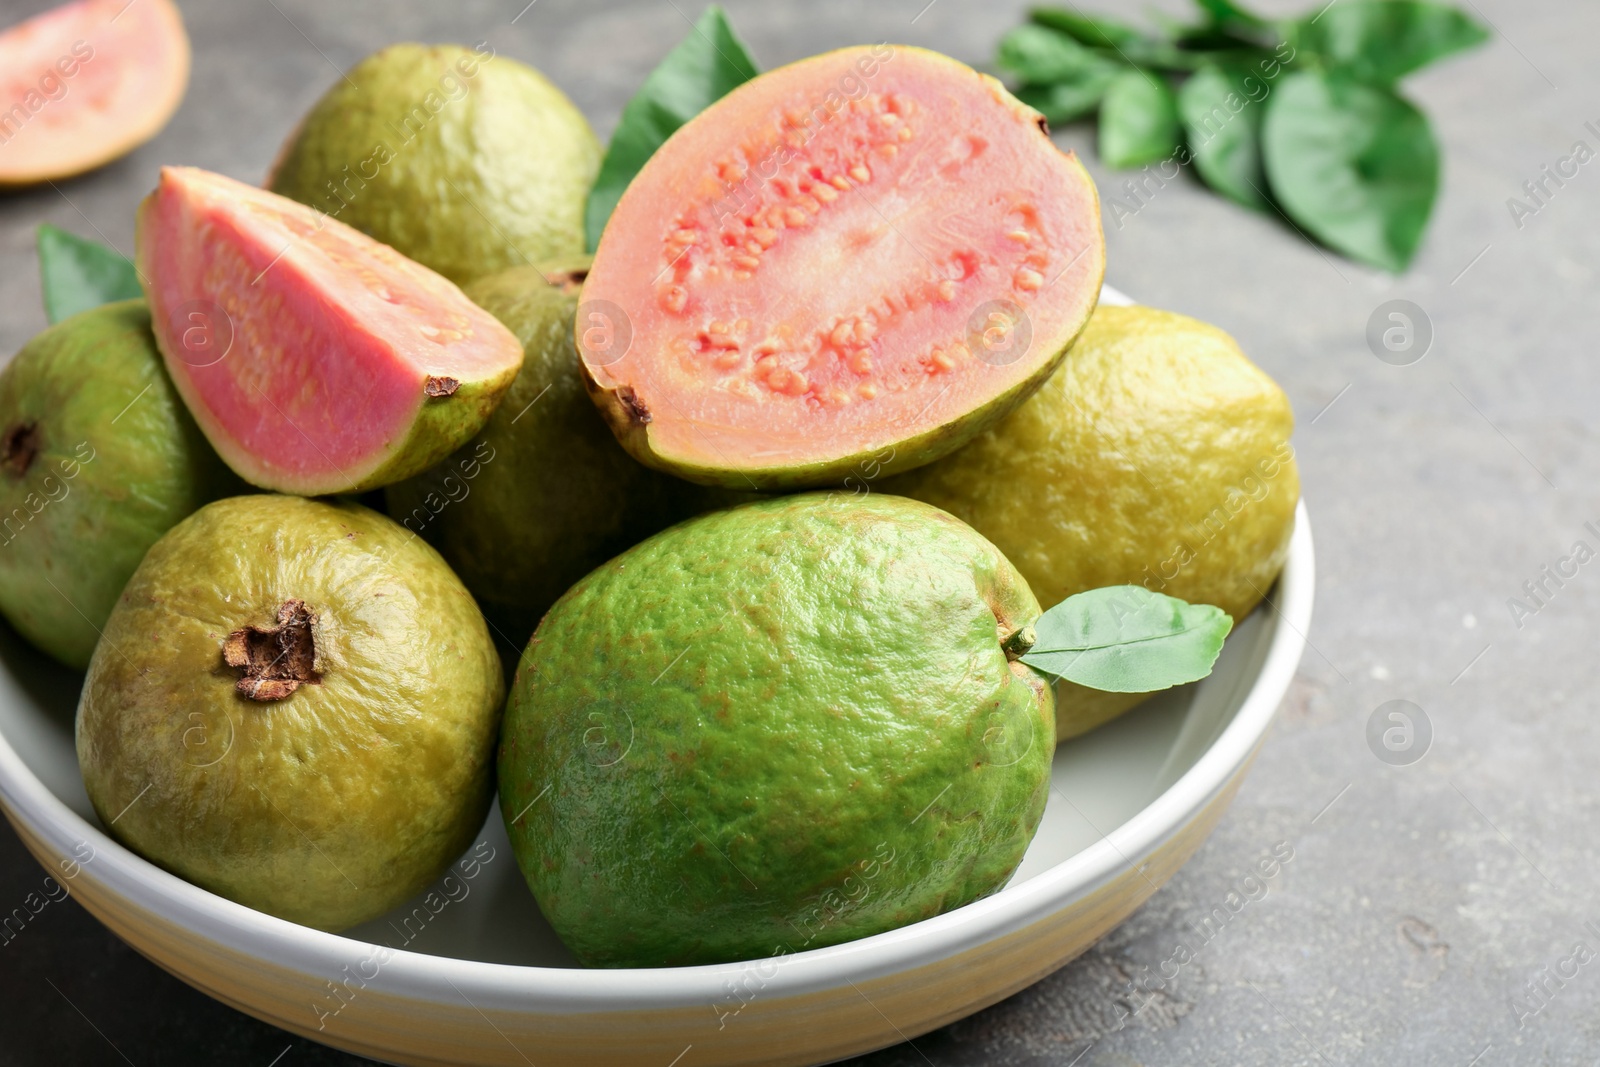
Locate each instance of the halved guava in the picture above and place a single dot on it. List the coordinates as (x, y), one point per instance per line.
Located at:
(85, 83)
(315, 359)
(866, 257)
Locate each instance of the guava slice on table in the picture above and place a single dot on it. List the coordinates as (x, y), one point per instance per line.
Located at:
(543, 494)
(85, 83)
(315, 359)
(1158, 455)
(866, 256)
(466, 161)
(294, 706)
(780, 726)
(98, 459)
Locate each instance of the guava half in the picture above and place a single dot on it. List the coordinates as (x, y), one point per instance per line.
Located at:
(294, 706)
(466, 161)
(872, 254)
(85, 83)
(780, 726)
(98, 459)
(315, 359)
(543, 494)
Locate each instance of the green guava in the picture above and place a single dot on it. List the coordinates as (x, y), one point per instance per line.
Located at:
(294, 706)
(1158, 455)
(465, 161)
(779, 726)
(544, 494)
(98, 458)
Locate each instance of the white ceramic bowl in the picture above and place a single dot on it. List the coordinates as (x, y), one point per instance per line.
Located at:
(473, 975)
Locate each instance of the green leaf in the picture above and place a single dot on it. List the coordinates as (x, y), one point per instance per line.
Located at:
(1381, 41)
(1127, 639)
(1040, 56)
(78, 274)
(1223, 106)
(1227, 13)
(1065, 101)
(1095, 30)
(705, 66)
(1354, 164)
(1138, 120)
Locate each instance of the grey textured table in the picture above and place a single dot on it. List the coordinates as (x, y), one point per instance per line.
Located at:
(1422, 900)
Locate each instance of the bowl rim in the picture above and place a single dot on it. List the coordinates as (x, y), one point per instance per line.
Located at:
(242, 931)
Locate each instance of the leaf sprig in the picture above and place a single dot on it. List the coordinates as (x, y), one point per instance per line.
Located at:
(1128, 639)
(1298, 114)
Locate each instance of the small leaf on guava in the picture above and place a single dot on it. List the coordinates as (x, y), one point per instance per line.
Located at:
(77, 274)
(1127, 639)
(704, 67)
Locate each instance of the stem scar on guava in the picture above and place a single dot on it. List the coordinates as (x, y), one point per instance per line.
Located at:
(568, 281)
(440, 386)
(277, 660)
(18, 447)
(1016, 644)
(636, 409)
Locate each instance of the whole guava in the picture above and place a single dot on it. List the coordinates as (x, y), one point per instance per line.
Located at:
(466, 161)
(544, 494)
(294, 706)
(98, 458)
(1158, 455)
(779, 726)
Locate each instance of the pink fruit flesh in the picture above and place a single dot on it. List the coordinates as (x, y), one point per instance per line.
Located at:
(804, 267)
(305, 349)
(85, 83)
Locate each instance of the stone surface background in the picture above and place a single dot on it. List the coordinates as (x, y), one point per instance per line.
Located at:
(1421, 900)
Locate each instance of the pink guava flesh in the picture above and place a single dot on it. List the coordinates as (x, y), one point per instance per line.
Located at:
(316, 359)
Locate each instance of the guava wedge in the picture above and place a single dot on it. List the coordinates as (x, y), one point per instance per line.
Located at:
(86, 83)
(543, 494)
(98, 459)
(873, 253)
(468, 162)
(316, 360)
(783, 725)
(294, 706)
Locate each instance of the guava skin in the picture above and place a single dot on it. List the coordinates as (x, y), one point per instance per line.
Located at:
(465, 161)
(544, 494)
(98, 459)
(775, 727)
(330, 804)
(1158, 455)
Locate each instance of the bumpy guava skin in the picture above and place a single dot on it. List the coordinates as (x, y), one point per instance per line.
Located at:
(465, 161)
(294, 706)
(98, 458)
(1158, 455)
(779, 726)
(543, 494)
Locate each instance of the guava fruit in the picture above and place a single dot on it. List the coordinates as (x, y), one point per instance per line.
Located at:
(875, 252)
(465, 161)
(779, 726)
(295, 707)
(543, 494)
(1158, 455)
(85, 83)
(98, 458)
(315, 359)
